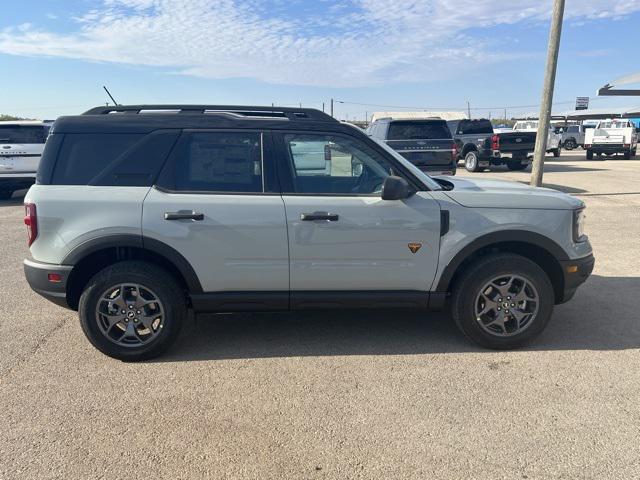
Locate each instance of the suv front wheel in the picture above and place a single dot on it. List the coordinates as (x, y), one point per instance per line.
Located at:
(132, 310)
(503, 301)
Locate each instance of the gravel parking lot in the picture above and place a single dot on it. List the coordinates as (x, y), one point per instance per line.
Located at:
(349, 395)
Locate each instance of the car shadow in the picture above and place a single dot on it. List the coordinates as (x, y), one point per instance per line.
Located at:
(602, 316)
(16, 200)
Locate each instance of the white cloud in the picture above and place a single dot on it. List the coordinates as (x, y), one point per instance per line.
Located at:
(348, 43)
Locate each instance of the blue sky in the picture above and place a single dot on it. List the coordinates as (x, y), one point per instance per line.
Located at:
(55, 55)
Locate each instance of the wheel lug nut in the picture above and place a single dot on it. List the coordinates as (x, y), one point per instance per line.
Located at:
(499, 309)
(124, 311)
(513, 304)
(138, 312)
(506, 311)
(135, 320)
(508, 298)
(130, 306)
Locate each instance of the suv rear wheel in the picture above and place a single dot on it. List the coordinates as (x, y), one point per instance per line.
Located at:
(132, 310)
(503, 301)
(471, 161)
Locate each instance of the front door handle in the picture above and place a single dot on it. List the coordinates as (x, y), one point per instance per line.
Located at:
(310, 217)
(183, 215)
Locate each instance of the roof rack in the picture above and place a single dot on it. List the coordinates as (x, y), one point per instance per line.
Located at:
(245, 112)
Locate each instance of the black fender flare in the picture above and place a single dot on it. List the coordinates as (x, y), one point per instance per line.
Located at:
(520, 236)
(144, 243)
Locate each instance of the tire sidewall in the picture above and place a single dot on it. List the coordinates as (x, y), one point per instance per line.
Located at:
(156, 280)
(476, 278)
(471, 161)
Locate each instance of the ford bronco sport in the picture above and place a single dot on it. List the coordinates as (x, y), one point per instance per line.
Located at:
(140, 213)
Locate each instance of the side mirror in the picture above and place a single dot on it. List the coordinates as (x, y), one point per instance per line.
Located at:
(395, 188)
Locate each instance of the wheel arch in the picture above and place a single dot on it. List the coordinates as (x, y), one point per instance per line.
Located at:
(92, 256)
(468, 147)
(543, 251)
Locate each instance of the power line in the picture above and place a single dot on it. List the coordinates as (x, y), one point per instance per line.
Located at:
(407, 107)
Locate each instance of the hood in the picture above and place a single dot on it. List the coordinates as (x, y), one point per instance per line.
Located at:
(501, 194)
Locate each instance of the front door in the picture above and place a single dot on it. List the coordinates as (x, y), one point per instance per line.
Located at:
(214, 204)
(342, 235)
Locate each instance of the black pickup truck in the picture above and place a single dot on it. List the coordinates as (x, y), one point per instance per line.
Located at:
(479, 146)
(427, 143)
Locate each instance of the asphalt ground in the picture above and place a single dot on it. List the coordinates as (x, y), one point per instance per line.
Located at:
(339, 395)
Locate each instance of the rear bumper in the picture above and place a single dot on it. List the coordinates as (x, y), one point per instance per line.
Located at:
(37, 274)
(575, 274)
(604, 148)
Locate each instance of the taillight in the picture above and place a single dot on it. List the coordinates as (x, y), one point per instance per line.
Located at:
(495, 142)
(31, 221)
(454, 152)
(627, 145)
(587, 145)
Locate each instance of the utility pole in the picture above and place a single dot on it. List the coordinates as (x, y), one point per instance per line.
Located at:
(547, 93)
(323, 107)
(469, 109)
(332, 107)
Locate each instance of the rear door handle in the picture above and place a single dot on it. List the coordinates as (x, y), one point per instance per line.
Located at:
(310, 217)
(183, 215)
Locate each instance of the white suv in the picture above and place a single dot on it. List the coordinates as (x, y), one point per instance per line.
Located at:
(21, 144)
(142, 212)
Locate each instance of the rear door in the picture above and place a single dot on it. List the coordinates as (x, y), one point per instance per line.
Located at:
(217, 203)
(342, 236)
(425, 143)
(21, 148)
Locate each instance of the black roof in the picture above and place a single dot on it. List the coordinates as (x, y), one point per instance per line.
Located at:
(146, 118)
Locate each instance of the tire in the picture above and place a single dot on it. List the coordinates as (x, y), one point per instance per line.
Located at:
(6, 194)
(589, 154)
(142, 281)
(516, 165)
(471, 161)
(556, 152)
(570, 144)
(467, 299)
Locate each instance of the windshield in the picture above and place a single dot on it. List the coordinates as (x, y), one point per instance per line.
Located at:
(418, 130)
(426, 179)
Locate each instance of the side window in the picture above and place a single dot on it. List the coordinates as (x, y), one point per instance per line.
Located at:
(328, 164)
(82, 157)
(220, 162)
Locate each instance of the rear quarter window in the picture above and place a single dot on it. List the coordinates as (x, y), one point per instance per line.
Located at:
(419, 130)
(118, 159)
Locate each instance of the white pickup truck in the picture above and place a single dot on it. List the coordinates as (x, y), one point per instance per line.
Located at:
(554, 140)
(611, 137)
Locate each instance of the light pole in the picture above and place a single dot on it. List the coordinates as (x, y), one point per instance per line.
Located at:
(547, 93)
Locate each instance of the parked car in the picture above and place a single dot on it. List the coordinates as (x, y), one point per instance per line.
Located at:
(554, 140)
(573, 137)
(427, 143)
(611, 137)
(480, 146)
(136, 218)
(21, 145)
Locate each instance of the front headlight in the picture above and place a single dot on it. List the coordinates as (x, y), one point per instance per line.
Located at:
(578, 225)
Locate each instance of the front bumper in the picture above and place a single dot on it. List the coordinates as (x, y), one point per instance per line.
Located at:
(575, 274)
(38, 273)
